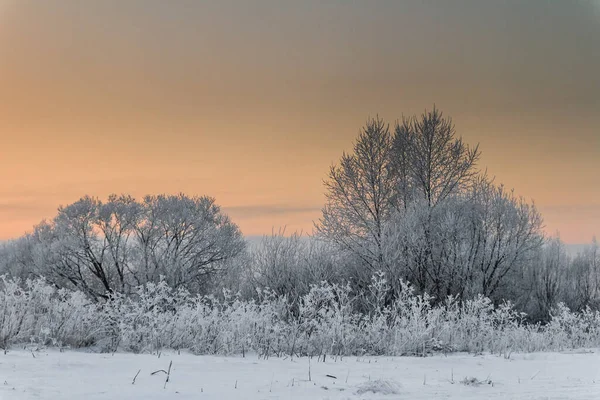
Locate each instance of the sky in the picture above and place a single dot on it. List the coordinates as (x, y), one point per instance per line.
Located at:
(251, 102)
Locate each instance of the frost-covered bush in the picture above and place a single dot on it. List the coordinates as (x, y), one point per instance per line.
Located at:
(35, 312)
(568, 329)
(16, 313)
(326, 321)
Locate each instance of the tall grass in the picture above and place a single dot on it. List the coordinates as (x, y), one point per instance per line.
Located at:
(325, 323)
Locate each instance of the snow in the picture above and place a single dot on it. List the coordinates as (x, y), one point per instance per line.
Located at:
(77, 375)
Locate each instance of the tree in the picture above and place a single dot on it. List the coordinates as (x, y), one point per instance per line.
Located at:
(584, 279)
(429, 161)
(16, 258)
(289, 265)
(506, 233)
(78, 253)
(102, 248)
(416, 207)
(546, 278)
(433, 169)
(429, 246)
(186, 239)
(359, 192)
(116, 223)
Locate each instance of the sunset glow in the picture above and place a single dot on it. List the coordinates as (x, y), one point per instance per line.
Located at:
(252, 103)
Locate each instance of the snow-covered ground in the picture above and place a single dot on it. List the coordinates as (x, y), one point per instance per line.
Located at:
(77, 375)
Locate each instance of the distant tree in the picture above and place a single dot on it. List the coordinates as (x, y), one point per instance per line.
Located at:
(546, 279)
(583, 279)
(277, 264)
(289, 265)
(16, 258)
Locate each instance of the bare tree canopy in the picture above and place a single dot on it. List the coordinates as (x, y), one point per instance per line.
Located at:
(359, 192)
(415, 206)
(429, 160)
(108, 247)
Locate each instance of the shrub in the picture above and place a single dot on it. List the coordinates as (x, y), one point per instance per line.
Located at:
(325, 322)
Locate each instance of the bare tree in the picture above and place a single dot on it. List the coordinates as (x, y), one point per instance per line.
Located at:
(187, 238)
(116, 222)
(83, 251)
(359, 192)
(583, 279)
(289, 265)
(433, 170)
(16, 258)
(544, 279)
(429, 160)
(108, 247)
(469, 243)
(430, 246)
(507, 231)
(277, 263)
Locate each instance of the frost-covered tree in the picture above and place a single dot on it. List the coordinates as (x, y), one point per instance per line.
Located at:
(543, 283)
(75, 251)
(429, 246)
(359, 191)
(15, 258)
(507, 231)
(430, 162)
(415, 206)
(433, 169)
(185, 239)
(289, 265)
(477, 242)
(101, 248)
(583, 279)
(116, 223)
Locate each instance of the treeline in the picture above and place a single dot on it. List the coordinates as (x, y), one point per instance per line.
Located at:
(409, 202)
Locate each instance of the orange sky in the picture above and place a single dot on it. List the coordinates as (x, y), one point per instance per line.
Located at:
(251, 102)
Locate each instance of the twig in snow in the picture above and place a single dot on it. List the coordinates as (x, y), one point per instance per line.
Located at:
(160, 370)
(534, 375)
(168, 374)
(136, 375)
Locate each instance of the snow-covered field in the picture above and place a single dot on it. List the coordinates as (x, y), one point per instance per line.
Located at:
(77, 375)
